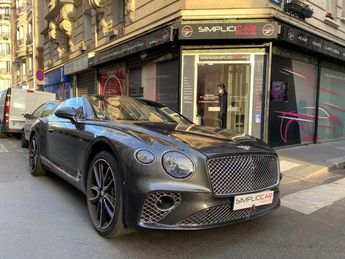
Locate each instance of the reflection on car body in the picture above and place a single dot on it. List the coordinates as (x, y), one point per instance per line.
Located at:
(144, 166)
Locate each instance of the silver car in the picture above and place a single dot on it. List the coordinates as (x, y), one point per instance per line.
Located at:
(42, 111)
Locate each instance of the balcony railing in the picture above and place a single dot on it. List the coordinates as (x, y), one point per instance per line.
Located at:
(298, 9)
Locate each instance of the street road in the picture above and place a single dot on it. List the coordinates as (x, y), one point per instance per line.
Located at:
(43, 217)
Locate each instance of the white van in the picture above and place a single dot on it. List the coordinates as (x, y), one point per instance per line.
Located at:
(14, 103)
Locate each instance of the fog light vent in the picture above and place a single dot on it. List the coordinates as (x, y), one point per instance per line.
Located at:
(158, 205)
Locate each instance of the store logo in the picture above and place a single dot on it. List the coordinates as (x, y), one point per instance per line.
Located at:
(244, 147)
(165, 35)
(187, 31)
(291, 34)
(268, 30)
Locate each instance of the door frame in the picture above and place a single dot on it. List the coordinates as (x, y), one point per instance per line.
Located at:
(239, 50)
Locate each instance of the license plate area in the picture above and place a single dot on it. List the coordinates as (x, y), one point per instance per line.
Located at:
(253, 200)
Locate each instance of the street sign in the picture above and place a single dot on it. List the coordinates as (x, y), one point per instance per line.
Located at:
(40, 75)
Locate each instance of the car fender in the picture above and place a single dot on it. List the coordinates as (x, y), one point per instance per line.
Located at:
(97, 145)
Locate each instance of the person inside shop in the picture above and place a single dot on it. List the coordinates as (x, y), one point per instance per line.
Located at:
(223, 104)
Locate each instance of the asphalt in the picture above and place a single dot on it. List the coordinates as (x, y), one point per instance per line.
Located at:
(300, 163)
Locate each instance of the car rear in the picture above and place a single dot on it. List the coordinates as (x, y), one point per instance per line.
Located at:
(20, 102)
(4, 109)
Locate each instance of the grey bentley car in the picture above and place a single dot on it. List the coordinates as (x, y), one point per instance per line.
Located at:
(142, 165)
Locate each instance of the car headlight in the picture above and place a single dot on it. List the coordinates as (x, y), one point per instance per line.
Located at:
(177, 164)
(144, 156)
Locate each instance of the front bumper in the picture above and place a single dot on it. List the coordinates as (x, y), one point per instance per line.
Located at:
(190, 211)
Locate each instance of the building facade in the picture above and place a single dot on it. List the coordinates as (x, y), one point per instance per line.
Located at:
(281, 62)
(27, 43)
(5, 44)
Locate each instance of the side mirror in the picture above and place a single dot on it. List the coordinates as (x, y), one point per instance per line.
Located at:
(27, 116)
(67, 113)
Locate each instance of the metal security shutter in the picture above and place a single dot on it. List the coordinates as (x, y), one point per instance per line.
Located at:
(86, 83)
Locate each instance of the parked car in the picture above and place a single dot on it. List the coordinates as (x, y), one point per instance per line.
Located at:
(14, 103)
(142, 165)
(42, 111)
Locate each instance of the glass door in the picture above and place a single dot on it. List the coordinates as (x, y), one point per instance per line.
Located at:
(223, 95)
(225, 88)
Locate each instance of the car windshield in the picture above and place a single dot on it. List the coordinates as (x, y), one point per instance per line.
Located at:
(117, 108)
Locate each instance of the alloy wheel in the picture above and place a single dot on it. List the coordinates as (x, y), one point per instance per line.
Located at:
(33, 154)
(101, 194)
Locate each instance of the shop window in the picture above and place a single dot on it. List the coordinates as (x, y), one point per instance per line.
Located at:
(331, 121)
(136, 88)
(292, 101)
(279, 91)
(167, 83)
(224, 88)
(112, 80)
(156, 82)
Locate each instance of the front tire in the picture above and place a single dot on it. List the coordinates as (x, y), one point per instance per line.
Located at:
(104, 196)
(36, 168)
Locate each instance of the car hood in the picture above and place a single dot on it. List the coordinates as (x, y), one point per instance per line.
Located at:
(210, 141)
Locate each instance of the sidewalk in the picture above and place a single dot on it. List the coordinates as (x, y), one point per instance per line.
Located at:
(302, 162)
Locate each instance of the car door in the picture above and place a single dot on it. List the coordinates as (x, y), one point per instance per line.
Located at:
(62, 137)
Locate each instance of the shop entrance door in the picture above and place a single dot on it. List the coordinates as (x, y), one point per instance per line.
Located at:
(236, 78)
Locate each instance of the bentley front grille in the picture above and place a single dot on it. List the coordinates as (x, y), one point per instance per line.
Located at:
(158, 205)
(242, 173)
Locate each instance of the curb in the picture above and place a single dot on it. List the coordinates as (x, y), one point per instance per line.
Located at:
(318, 173)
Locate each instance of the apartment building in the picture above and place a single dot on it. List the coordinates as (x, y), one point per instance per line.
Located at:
(27, 43)
(281, 61)
(5, 44)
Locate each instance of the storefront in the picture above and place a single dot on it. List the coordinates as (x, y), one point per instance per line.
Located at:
(59, 83)
(145, 67)
(184, 72)
(226, 61)
(307, 90)
(281, 84)
(83, 77)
